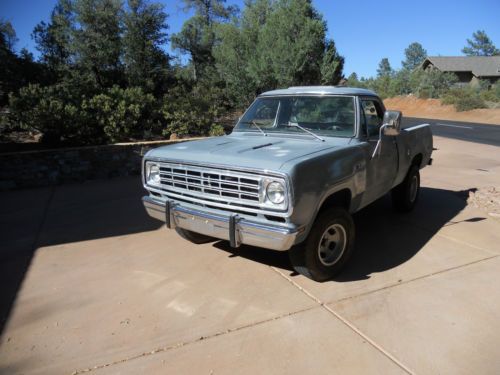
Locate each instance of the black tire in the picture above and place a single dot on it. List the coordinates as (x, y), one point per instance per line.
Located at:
(194, 237)
(309, 258)
(405, 195)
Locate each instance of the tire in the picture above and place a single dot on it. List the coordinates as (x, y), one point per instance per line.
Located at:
(405, 195)
(315, 258)
(194, 237)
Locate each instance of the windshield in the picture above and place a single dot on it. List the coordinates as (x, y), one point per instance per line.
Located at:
(323, 115)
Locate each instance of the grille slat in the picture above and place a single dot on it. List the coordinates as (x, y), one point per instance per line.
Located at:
(169, 175)
(238, 189)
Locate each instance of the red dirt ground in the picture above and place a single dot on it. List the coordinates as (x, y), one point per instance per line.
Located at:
(432, 108)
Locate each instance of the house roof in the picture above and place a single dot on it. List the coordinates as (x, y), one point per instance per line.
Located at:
(480, 66)
(321, 90)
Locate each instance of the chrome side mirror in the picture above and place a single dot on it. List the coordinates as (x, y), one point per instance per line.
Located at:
(392, 122)
(391, 126)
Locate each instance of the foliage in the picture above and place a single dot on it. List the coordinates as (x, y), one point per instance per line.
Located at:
(332, 65)
(55, 112)
(16, 71)
(97, 40)
(415, 55)
(146, 65)
(186, 113)
(276, 44)
(463, 99)
(8, 37)
(433, 83)
(54, 39)
(384, 68)
(216, 130)
(490, 95)
(480, 45)
(197, 36)
(122, 114)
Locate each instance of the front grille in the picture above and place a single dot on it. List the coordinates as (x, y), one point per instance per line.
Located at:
(211, 183)
(212, 187)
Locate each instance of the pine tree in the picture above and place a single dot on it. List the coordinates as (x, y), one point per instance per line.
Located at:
(54, 39)
(98, 39)
(384, 68)
(146, 64)
(415, 55)
(480, 45)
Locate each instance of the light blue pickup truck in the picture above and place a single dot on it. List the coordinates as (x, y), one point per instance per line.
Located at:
(298, 163)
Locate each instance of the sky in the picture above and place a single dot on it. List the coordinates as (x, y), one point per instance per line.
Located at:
(364, 31)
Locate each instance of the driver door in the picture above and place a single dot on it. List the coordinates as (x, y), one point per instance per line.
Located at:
(382, 168)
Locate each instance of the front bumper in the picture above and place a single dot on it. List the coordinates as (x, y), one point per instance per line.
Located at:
(229, 227)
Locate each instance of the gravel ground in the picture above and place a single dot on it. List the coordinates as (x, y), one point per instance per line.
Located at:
(486, 199)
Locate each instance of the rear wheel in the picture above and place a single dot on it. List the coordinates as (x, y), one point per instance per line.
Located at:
(194, 237)
(405, 195)
(327, 248)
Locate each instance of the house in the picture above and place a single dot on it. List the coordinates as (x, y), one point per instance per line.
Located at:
(468, 69)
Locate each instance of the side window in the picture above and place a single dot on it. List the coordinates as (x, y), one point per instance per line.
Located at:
(373, 116)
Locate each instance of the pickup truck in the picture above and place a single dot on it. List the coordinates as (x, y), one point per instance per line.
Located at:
(297, 165)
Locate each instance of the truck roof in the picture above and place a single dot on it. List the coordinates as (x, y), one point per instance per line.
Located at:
(321, 90)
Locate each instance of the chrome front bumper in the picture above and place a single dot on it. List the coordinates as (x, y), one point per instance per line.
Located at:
(229, 227)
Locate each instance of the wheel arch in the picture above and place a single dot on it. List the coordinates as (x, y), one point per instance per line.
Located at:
(340, 198)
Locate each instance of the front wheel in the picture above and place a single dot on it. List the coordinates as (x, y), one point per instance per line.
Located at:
(327, 248)
(405, 195)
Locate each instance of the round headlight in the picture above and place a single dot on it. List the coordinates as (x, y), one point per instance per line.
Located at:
(154, 174)
(276, 192)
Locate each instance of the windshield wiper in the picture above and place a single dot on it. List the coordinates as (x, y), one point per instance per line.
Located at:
(257, 126)
(296, 125)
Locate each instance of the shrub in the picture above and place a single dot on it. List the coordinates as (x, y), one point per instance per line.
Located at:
(52, 111)
(433, 83)
(122, 114)
(216, 130)
(186, 114)
(491, 95)
(468, 103)
(464, 99)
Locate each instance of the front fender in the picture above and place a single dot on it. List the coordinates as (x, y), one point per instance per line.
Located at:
(315, 179)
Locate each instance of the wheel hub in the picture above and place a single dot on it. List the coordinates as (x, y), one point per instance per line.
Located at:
(332, 245)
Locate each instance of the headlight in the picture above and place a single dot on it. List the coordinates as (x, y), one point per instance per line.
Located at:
(275, 192)
(152, 174)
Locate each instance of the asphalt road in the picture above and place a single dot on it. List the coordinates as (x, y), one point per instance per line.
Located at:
(465, 131)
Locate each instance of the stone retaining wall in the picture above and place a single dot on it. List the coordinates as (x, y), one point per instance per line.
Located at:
(60, 166)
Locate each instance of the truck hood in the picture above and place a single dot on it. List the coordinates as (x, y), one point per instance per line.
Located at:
(249, 151)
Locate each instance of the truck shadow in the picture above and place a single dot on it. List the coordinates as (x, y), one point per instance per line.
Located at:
(384, 239)
(34, 218)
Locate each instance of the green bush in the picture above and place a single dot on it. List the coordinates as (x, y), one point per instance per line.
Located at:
(468, 103)
(186, 114)
(65, 116)
(122, 114)
(216, 130)
(52, 111)
(490, 95)
(433, 83)
(464, 99)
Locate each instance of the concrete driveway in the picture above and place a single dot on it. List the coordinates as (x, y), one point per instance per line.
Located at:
(90, 284)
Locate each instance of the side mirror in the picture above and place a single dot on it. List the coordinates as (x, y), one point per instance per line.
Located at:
(391, 126)
(392, 122)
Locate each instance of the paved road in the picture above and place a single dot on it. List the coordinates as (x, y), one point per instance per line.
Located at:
(90, 284)
(465, 131)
